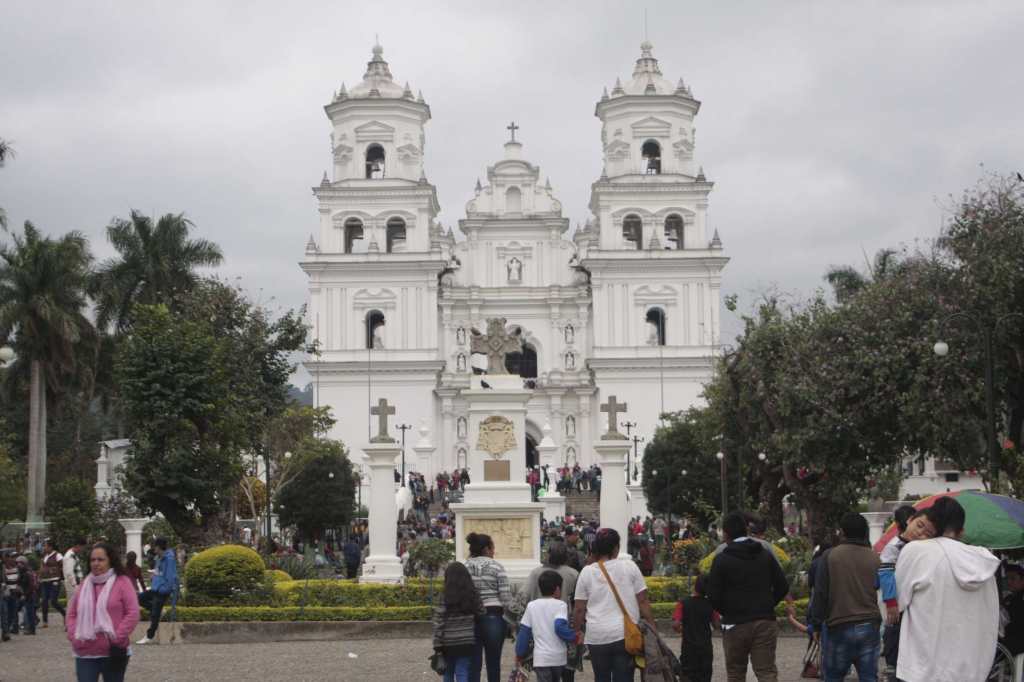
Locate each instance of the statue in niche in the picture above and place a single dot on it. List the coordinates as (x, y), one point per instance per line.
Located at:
(570, 361)
(461, 458)
(570, 333)
(515, 270)
(460, 362)
(378, 337)
(570, 426)
(570, 455)
(460, 336)
(652, 334)
(460, 427)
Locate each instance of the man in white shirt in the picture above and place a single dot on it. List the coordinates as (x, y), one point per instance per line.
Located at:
(950, 603)
(72, 568)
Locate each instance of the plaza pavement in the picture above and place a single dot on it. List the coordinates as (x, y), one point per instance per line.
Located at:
(47, 656)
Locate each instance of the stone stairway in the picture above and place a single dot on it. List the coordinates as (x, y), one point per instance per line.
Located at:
(586, 504)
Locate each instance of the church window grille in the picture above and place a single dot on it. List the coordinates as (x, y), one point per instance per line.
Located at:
(513, 200)
(374, 162)
(656, 325)
(651, 152)
(375, 330)
(396, 235)
(354, 242)
(633, 232)
(674, 232)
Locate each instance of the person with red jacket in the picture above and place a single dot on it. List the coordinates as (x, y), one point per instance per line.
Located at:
(101, 616)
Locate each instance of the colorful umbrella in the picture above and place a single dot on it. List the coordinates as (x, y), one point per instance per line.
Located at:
(993, 521)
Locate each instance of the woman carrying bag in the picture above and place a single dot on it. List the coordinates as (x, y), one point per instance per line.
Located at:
(101, 616)
(455, 622)
(611, 597)
(496, 594)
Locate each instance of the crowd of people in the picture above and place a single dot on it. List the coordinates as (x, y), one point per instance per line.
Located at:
(575, 479)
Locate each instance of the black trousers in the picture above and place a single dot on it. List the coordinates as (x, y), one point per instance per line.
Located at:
(154, 603)
(891, 643)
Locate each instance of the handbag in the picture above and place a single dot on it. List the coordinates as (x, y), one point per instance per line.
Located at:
(437, 663)
(634, 639)
(812, 661)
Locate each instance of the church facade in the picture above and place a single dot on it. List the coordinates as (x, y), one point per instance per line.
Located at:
(627, 305)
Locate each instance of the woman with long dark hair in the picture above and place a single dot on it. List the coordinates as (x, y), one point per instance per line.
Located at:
(101, 616)
(597, 610)
(496, 595)
(455, 623)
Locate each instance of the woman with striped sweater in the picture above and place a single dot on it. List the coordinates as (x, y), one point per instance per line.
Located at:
(455, 622)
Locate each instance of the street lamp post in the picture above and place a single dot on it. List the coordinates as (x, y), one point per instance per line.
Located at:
(403, 428)
(629, 426)
(941, 349)
(720, 456)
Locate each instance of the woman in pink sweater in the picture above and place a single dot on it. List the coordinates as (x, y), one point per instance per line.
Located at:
(101, 616)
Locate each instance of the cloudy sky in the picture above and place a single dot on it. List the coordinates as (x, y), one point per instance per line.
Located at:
(830, 129)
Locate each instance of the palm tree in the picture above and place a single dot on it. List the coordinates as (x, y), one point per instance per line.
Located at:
(42, 300)
(847, 282)
(156, 263)
(6, 152)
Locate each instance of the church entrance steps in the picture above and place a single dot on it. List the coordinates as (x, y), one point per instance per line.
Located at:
(586, 504)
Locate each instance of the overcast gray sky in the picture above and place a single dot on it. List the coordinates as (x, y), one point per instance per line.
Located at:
(830, 129)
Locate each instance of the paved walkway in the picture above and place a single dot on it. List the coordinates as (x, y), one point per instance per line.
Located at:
(48, 656)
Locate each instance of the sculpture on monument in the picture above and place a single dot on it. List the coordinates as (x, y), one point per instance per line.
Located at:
(613, 408)
(382, 411)
(497, 436)
(515, 270)
(497, 343)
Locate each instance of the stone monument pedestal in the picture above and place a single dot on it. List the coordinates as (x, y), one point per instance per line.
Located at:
(876, 524)
(611, 457)
(637, 501)
(498, 502)
(133, 535)
(553, 501)
(383, 564)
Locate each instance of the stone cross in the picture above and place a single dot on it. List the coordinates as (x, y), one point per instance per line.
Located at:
(382, 411)
(496, 344)
(613, 407)
(513, 127)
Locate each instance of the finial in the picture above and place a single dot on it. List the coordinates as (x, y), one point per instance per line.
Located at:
(378, 50)
(604, 172)
(311, 246)
(617, 90)
(513, 127)
(325, 181)
(407, 93)
(645, 48)
(604, 95)
(681, 87)
(547, 185)
(343, 93)
(716, 242)
(419, 97)
(479, 187)
(700, 175)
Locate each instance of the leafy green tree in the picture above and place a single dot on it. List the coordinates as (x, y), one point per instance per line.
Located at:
(42, 306)
(200, 384)
(155, 264)
(73, 512)
(322, 495)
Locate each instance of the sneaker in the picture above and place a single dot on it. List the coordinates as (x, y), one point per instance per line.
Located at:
(46, 625)
(145, 640)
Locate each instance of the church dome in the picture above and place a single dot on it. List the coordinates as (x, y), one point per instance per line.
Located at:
(378, 82)
(647, 77)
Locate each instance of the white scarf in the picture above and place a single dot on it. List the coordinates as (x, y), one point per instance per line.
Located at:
(93, 616)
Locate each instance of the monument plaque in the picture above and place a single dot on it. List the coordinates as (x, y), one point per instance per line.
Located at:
(511, 536)
(497, 470)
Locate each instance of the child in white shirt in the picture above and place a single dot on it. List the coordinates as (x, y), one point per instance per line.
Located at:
(546, 621)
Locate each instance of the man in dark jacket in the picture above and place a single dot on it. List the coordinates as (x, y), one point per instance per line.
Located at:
(844, 599)
(744, 585)
(353, 557)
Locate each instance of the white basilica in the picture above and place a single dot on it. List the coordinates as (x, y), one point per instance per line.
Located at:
(627, 305)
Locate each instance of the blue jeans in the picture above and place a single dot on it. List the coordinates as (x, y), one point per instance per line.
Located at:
(490, 637)
(10, 614)
(50, 592)
(28, 605)
(457, 669)
(611, 663)
(847, 645)
(90, 670)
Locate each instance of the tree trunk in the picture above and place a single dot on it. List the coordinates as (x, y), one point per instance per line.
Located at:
(36, 444)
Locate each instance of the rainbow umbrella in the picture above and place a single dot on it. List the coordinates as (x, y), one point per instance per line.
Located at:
(993, 521)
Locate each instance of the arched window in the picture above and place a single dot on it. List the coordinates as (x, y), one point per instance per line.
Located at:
(513, 200)
(656, 327)
(396, 235)
(524, 364)
(633, 232)
(674, 232)
(375, 330)
(354, 242)
(374, 161)
(651, 152)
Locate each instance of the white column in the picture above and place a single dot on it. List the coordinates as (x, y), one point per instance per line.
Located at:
(383, 565)
(424, 450)
(611, 457)
(876, 524)
(554, 503)
(102, 486)
(133, 535)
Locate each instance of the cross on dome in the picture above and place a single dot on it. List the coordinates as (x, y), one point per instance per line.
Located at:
(513, 127)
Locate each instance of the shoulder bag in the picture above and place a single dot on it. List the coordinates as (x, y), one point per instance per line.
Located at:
(634, 638)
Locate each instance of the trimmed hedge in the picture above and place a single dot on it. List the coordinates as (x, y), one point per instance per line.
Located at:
(199, 614)
(353, 594)
(221, 571)
(277, 575)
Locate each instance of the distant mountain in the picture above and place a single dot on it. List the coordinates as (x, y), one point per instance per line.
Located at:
(302, 396)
